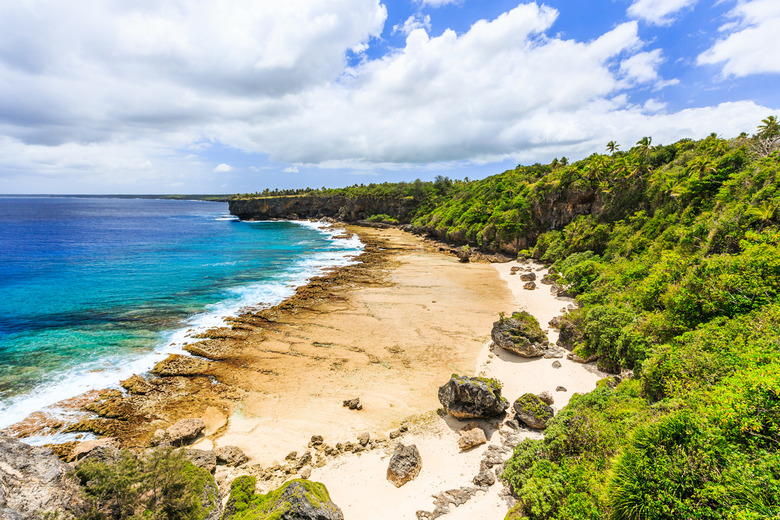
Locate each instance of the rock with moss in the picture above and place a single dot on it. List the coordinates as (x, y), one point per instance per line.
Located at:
(570, 333)
(472, 397)
(295, 500)
(533, 411)
(520, 334)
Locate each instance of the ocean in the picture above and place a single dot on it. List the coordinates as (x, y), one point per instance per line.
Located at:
(93, 290)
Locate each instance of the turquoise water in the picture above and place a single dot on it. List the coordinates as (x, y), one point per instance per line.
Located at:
(93, 290)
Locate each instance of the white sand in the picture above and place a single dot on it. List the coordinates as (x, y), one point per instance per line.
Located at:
(357, 483)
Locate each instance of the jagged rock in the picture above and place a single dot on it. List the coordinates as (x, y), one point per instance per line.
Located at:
(230, 456)
(485, 477)
(205, 459)
(532, 411)
(363, 438)
(405, 465)
(514, 269)
(530, 286)
(472, 397)
(316, 440)
(528, 277)
(136, 384)
(546, 398)
(471, 436)
(33, 482)
(353, 404)
(306, 473)
(181, 433)
(178, 365)
(297, 499)
(556, 364)
(560, 389)
(101, 449)
(548, 279)
(520, 334)
(570, 335)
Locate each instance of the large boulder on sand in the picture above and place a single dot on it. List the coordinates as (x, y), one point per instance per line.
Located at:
(405, 465)
(35, 483)
(520, 334)
(230, 456)
(533, 411)
(472, 397)
(295, 500)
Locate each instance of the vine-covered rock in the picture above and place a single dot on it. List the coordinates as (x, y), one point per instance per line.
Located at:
(472, 397)
(295, 500)
(520, 334)
(533, 411)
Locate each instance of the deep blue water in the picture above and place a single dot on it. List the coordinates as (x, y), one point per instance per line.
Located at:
(93, 290)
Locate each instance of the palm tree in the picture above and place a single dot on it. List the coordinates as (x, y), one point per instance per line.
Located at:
(764, 211)
(644, 147)
(769, 128)
(612, 147)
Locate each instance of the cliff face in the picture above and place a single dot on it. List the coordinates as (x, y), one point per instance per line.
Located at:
(343, 208)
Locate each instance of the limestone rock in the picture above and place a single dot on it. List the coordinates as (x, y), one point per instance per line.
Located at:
(532, 411)
(471, 436)
(405, 465)
(570, 335)
(363, 438)
(528, 277)
(472, 397)
(99, 449)
(485, 477)
(560, 389)
(546, 398)
(230, 456)
(178, 365)
(205, 459)
(136, 384)
(34, 481)
(556, 364)
(520, 334)
(529, 286)
(181, 433)
(353, 404)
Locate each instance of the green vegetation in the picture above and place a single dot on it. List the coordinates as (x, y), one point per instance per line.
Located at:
(386, 219)
(245, 504)
(673, 251)
(160, 485)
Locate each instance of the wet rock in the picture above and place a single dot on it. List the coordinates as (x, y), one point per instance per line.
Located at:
(520, 334)
(230, 456)
(530, 286)
(533, 411)
(205, 459)
(136, 384)
(353, 404)
(297, 499)
(471, 436)
(405, 465)
(528, 277)
(33, 481)
(472, 397)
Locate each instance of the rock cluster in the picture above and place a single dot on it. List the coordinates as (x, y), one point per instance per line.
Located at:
(520, 334)
(353, 404)
(472, 397)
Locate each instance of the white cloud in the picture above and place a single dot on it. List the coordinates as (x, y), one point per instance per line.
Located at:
(291, 169)
(658, 12)
(750, 44)
(100, 102)
(416, 21)
(223, 168)
(439, 3)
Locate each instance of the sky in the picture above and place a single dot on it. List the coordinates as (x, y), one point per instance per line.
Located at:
(235, 96)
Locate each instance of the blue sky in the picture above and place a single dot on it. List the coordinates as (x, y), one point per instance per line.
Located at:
(198, 96)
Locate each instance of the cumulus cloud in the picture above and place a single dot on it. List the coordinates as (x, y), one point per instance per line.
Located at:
(658, 12)
(750, 41)
(291, 169)
(416, 21)
(223, 168)
(439, 3)
(118, 92)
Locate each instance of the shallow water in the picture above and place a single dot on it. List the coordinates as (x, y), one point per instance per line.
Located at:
(95, 289)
